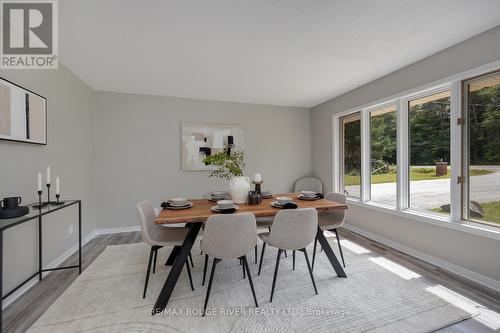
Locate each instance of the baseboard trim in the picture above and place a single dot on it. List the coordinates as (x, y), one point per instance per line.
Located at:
(117, 230)
(54, 263)
(459, 270)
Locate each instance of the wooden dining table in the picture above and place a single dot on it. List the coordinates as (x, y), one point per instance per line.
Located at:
(201, 210)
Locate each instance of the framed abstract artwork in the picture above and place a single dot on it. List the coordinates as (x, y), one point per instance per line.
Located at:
(199, 140)
(23, 114)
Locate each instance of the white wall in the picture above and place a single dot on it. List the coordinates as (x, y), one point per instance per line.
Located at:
(476, 253)
(70, 153)
(138, 149)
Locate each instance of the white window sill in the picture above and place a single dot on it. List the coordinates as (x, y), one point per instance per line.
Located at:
(479, 229)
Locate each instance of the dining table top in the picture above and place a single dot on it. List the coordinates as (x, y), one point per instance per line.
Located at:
(201, 209)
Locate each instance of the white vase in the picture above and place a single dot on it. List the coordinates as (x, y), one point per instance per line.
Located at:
(239, 187)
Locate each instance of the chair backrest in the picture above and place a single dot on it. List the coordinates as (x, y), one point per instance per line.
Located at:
(229, 236)
(294, 229)
(309, 184)
(336, 217)
(147, 217)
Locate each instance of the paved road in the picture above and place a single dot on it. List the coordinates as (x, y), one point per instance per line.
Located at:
(426, 194)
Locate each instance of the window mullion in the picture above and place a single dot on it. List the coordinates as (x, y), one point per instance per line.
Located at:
(402, 155)
(456, 151)
(365, 156)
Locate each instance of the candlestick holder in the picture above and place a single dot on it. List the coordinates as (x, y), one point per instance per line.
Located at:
(57, 202)
(48, 202)
(257, 189)
(257, 186)
(40, 204)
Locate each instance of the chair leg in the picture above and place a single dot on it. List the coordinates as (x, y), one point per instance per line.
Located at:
(243, 266)
(293, 254)
(340, 247)
(278, 257)
(147, 272)
(286, 256)
(189, 275)
(261, 257)
(310, 270)
(205, 269)
(245, 263)
(210, 284)
(255, 254)
(191, 259)
(314, 252)
(154, 260)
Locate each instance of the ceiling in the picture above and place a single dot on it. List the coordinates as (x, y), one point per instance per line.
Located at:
(279, 52)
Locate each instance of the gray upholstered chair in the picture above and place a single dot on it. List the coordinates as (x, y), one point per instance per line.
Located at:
(331, 221)
(308, 184)
(293, 229)
(158, 236)
(229, 237)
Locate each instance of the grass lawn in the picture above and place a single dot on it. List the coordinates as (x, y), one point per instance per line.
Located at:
(415, 175)
(491, 212)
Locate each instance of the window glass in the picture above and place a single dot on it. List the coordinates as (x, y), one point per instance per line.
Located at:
(483, 120)
(351, 151)
(383, 155)
(429, 141)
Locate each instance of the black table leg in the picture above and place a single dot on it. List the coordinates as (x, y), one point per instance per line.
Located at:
(173, 254)
(79, 237)
(1, 281)
(40, 248)
(329, 253)
(175, 271)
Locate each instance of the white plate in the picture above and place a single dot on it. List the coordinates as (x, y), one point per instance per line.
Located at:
(178, 204)
(219, 199)
(215, 209)
(180, 207)
(301, 197)
(276, 204)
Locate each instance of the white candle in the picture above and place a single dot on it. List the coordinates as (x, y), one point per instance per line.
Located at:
(39, 181)
(48, 175)
(57, 185)
(257, 178)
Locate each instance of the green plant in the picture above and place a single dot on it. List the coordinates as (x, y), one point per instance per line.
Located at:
(227, 166)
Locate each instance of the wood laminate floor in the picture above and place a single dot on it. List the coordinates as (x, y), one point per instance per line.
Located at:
(23, 312)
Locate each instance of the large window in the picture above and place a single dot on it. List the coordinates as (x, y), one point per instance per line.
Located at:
(383, 126)
(351, 151)
(431, 152)
(482, 112)
(429, 141)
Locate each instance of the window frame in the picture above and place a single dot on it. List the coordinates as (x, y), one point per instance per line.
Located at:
(455, 221)
(453, 165)
(341, 153)
(368, 166)
(465, 146)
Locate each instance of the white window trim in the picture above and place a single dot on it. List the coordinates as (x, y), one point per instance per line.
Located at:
(454, 221)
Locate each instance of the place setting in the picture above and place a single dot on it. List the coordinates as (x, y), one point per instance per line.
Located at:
(219, 195)
(266, 194)
(284, 203)
(177, 204)
(310, 195)
(225, 207)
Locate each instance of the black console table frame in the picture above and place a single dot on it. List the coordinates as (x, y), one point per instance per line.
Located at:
(37, 214)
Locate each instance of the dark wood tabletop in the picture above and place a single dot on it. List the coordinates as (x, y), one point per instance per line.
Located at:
(201, 209)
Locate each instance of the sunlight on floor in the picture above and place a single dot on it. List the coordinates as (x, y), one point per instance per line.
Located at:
(353, 247)
(486, 317)
(395, 268)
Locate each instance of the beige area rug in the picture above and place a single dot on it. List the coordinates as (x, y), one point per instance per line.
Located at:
(378, 296)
